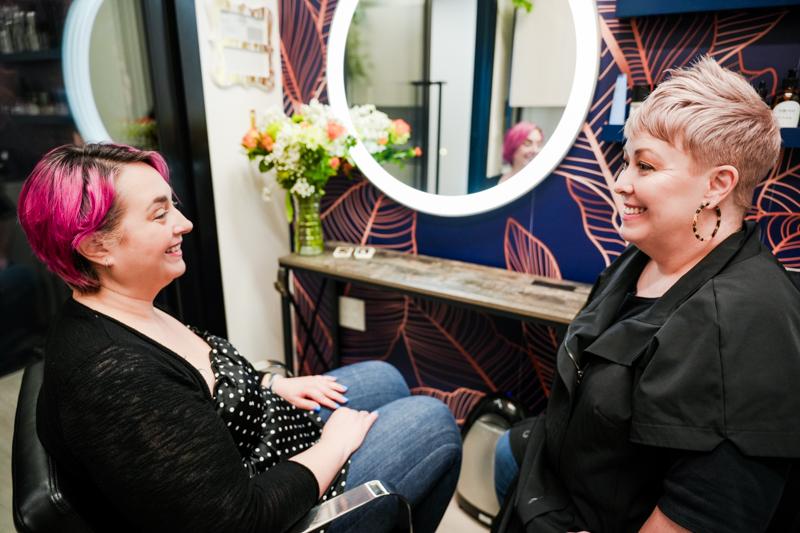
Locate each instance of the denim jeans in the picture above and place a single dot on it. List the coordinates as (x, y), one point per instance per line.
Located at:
(415, 445)
(505, 467)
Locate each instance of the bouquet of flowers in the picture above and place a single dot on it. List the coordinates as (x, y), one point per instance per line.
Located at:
(383, 136)
(304, 150)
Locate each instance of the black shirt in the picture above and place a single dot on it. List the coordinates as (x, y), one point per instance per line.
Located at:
(135, 426)
(713, 360)
(720, 491)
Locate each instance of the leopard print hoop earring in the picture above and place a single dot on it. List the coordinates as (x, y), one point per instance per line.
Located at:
(716, 228)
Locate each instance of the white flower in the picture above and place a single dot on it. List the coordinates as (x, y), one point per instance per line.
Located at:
(302, 188)
(273, 114)
(371, 125)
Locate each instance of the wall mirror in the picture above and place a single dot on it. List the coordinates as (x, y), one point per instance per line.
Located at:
(106, 72)
(461, 73)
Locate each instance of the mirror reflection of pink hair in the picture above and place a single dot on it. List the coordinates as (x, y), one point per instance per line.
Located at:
(716, 117)
(69, 197)
(514, 138)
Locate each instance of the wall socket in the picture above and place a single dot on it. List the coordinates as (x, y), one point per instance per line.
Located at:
(351, 313)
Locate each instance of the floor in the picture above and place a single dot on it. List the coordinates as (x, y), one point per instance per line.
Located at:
(455, 521)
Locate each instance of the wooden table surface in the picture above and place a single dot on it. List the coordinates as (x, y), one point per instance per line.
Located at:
(495, 290)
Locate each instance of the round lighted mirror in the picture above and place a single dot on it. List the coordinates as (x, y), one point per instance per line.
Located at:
(106, 73)
(462, 73)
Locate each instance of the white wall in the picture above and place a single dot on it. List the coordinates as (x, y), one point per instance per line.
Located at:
(252, 233)
(545, 51)
(453, 24)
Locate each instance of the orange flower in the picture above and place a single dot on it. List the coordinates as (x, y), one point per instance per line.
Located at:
(250, 139)
(383, 140)
(305, 124)
(334, 130)
(335, 160)
(417, 151)
(401, 127)
(267, 142)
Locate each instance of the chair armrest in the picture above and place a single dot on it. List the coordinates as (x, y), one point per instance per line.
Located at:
(353, 499)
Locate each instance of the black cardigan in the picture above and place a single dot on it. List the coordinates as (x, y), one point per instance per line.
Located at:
(134, 424)
(715, 359)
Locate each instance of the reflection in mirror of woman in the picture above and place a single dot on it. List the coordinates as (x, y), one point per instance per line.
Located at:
(469, 70)
(522, 143)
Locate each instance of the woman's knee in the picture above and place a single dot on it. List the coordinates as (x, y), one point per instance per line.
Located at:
(385, 374)
(436, 419)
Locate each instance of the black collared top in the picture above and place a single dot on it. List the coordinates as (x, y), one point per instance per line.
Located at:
(716, 358)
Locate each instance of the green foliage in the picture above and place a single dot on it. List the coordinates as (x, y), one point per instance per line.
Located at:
(523, 4)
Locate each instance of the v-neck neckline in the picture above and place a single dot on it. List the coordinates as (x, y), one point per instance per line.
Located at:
(156, 344)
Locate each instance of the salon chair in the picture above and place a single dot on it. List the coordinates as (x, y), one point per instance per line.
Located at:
(46, 500)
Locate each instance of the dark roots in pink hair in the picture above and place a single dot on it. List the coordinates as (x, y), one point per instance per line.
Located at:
(69, 197)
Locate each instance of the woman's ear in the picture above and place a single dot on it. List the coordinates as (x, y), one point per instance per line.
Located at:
(722, 182)
(92, 248)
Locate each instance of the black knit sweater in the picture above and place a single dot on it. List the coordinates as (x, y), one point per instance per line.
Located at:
(134, 424)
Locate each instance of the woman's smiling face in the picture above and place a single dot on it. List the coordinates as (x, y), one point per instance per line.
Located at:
(660, 192)
(152, 229)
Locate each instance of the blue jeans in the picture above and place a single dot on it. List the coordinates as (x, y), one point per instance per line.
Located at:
(505, 467)
(415, 445)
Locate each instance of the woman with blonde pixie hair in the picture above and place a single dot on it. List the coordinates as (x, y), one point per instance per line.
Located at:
(674, 407)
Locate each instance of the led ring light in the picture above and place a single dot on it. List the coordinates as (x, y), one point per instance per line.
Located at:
(77, 81)
(587, 64)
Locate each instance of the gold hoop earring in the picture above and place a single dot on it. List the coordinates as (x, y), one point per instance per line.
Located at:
(716, 228)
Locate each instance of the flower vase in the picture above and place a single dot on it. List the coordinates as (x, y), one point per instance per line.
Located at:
(308, 227)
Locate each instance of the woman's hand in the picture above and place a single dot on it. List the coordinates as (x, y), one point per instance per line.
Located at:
(342, 434)
(309, 392)
(346, 429)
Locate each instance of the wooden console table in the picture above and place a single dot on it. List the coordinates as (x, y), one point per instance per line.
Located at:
(486, 289)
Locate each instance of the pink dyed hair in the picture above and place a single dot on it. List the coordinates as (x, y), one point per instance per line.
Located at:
(715, 116)
(69, 197)
(514, 138)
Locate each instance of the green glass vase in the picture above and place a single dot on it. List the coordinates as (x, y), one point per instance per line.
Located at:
(308, 227)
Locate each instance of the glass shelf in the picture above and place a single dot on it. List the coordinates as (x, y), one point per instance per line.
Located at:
(51, 54)
(42, 120)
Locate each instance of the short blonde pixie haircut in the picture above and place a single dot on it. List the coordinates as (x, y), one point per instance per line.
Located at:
(715, 116)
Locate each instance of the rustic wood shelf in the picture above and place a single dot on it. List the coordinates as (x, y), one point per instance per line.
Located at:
(491, 290)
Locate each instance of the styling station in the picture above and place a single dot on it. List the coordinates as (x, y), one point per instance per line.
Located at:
(487, 265)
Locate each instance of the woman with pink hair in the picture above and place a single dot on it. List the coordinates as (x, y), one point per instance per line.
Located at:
(169, 428)
(674, 404)
(522, 143)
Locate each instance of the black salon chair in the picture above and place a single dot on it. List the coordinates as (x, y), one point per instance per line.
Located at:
(45, 500)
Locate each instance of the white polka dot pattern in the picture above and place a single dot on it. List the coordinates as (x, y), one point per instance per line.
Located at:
(265, 427)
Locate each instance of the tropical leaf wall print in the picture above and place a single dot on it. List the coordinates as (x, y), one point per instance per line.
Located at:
(354, 211)
(776, 207)
(303, 52)
(566, 227)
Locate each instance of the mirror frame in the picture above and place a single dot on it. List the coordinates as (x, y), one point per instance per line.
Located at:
(587, 32)
(77, 80)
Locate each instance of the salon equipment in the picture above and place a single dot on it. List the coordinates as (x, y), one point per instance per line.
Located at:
(45, 500)
(484, 426)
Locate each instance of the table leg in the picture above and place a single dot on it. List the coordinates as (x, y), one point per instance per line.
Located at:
(333, 294)
(282, 286)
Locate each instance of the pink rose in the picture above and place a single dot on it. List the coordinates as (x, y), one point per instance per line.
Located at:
(401, 127)
(334, 130)
(250, 139)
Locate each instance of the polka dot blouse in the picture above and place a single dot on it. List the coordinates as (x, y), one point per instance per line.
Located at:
(266, 428)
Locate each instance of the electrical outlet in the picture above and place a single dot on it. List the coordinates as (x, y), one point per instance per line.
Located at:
(351, 313)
